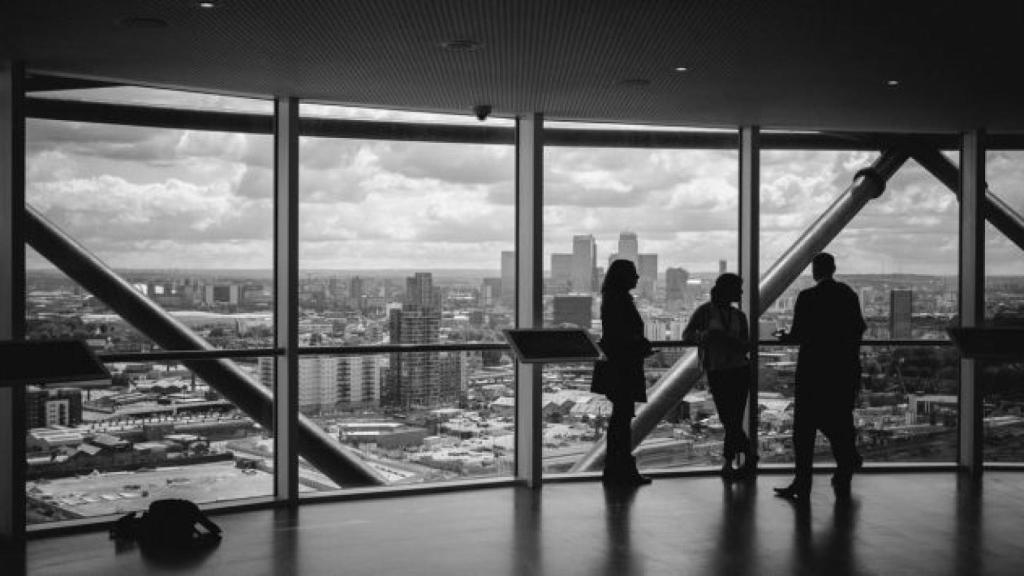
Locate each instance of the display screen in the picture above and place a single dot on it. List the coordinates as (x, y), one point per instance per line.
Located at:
(550, 345)
(38, 362)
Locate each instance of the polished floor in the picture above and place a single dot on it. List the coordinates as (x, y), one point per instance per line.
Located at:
(899, 523)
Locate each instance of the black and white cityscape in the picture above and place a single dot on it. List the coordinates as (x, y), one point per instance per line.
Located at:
(410, 243)
(155, 429)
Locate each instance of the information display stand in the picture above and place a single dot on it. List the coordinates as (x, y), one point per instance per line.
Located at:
(24, 363)
(553, 345)
(48, 362)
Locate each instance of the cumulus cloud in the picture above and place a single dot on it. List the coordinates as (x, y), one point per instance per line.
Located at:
(175, 198)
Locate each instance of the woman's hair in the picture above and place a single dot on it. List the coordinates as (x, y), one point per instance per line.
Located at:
(726, 285)
(620, 277)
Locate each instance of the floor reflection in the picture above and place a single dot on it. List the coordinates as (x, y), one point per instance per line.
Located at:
(619, 555)
(832, 550)
(735, 552)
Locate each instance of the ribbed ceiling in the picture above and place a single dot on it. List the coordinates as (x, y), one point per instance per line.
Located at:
(802, 65)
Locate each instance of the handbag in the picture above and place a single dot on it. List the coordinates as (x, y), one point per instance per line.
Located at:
(603, 378)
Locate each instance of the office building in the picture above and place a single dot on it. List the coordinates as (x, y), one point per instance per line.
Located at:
(413, 379)
(561, 269)
(574, 311)
(901, 307)
(45, 407)
(508, 278)
(647, 269)
(583, 276)
(629, 247)
(676, 280)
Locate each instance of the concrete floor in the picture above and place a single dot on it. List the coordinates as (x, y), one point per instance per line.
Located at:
(896, 523)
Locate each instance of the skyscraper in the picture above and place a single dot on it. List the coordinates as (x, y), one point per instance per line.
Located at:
(561, 268)
(508, 278)
(722, 266)
(647, 269)
(574, 310)
(675, 284)
(629, 247)
(414, 378)
(420, 293)
(901, 305)
(584, 262)
(356, 293)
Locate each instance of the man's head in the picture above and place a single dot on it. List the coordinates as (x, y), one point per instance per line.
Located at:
(823, 266)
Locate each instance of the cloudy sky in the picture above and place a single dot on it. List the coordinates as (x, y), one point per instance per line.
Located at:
(157, 198)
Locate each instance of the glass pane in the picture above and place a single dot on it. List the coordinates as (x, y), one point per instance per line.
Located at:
(906, 410)
(402, 229)
(671, 212)
(1004, 306)
(1003, 385)
(151, 431)
(690, 435)
(185, 217)
(414, 417)
(899, 253)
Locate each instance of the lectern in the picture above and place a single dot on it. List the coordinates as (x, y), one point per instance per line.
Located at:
(24, 363)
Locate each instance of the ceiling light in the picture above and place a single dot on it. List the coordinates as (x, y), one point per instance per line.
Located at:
(462, 45)
(206, 4)
(681, 68)
(892, 82)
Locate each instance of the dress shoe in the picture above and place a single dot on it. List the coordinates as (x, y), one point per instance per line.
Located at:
(728, 472)
(639, 480)
(794, 492)
(841, 485)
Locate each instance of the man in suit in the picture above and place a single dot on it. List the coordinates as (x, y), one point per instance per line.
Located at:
(828, 326)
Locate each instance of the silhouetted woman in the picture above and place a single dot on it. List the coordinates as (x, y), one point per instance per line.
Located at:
(720, 330)
(621, 377)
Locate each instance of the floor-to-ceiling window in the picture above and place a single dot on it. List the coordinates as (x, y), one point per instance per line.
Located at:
(1003, 379)
(899, 254)
(407, 241)
(181, 220)
(640, 194)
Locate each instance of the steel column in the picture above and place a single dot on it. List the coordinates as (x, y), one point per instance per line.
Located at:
(972, 296)
(12, 302)
(323, 451)
(680, 378)
(286, 299)
(750, 203)
(529, 290)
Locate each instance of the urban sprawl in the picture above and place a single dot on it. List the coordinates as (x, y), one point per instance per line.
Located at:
(155, 430)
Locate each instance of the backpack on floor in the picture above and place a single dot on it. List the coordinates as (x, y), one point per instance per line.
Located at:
(168, 524)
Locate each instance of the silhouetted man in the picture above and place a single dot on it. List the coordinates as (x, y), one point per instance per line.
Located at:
(828, 326)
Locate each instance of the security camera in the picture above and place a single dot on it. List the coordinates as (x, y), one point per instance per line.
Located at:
(482, 111)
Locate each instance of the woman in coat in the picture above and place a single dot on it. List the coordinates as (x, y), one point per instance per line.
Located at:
(621, 377)
(720, 330)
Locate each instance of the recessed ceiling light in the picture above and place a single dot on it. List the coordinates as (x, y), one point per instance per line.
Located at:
(207, 4)
(681, 68)
(892, 82)
(462, 45)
